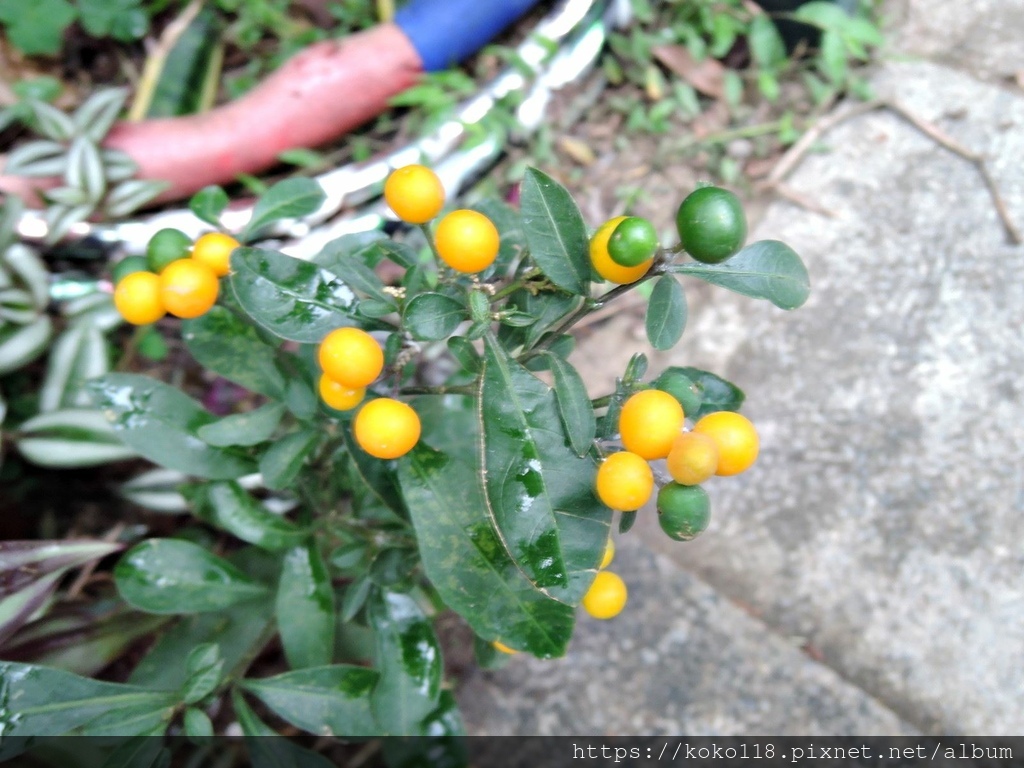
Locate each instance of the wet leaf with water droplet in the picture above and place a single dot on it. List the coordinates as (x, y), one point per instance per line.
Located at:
(305, 608)
(162, 424)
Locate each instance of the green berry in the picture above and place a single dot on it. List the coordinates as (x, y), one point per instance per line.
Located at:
(683, 510)
(127, 266)
(711, 224)
(167, 246)
(633, 242)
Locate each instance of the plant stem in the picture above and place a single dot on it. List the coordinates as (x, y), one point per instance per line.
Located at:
(591, 305)
(601, 402)
(462, 389)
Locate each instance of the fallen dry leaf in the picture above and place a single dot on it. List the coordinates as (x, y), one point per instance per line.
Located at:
(706, 76)
(578, 151)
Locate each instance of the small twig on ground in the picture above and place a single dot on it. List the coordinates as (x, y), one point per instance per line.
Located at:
(933, 132)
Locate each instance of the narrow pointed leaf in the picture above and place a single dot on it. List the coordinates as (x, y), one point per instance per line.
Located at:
(305, 608)
(250, 428)
(287, 199)
(666, 313)
(539, 493)
(574, 405)
(409, 659)
(161, 423)
(176, 576)
(39, 701)
(209, 203)
(767, 269)
(285, 457)
(97, 115)
(555, 232)
(327, 701)
(229, 507)
(23, 345)
(291, 298)
(225, 344)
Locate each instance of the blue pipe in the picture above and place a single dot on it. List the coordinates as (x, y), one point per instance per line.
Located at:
(445, 32)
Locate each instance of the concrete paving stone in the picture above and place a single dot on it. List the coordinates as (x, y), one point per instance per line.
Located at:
(883, 523)
(981, 37)
(680, 659)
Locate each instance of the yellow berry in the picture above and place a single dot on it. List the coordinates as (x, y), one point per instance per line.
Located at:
(467, 241)
(214, 250)
(338, 396)
(735, 437)
(188, 288)
(693, 458)
(649, 422)
(137, 298)
(351, 357)
(606, 597)
(386, 428)
(624, 482)
(414, 193)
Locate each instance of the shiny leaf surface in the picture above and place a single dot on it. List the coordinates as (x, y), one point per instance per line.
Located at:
(230, 507)
(175, 576)
(162, 423)
(666, 313)
(539, 493)
(225, 344)
(574, 405)
(305, 608)
(328, 701)
(291, 298)
(555, 232)
(409, 659)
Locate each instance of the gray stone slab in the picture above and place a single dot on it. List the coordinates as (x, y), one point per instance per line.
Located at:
(679, 659)
(981, 36)
(884, 521)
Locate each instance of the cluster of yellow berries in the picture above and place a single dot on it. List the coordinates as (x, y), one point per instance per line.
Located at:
(351, 360)
(465, 240)
(176, 276)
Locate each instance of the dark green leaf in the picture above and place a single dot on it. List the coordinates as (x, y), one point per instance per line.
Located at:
(208, 204)
(291, 298)
(162, 424)
(555, 232)
(573, 405)
(409, 660)
(375, 478)
(355, 598)
(433, 316)
(230, 507)
(327, 701)
(39, 701)
(666, 313)
(546, 307)
(267, 748)
(305, 608)
(626, 521)
(463, 556)
(238, 631)
(246, 429)
(353, 265)
(392, 567)
(539, 493)
(465, 353)
(767, 269)
(285, 457)
(716, 393)
(175, 576)
(204, 667)
(288, 199)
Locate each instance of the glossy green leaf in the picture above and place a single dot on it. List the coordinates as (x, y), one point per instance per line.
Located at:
(225, 344)
(463, 556)
(305, 608)
(626, 521)
(409, 660)
(716, 393)
(433, 316)
(539, 492)
(574, 405)
(291, 298)
(465, 353)
(354, 598)
(328, 701)
(209, 203)
(352, 265)
(205, 667)
(283, 460)
(250, 428)
(555, 232)
(39, 701)
(230, 507)
(162, 423)
(444, 746)
(546, 307)
(288, 199)
(267, 748)
(175, 576)
(767, 269)
(666, 313)
(239, 632)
